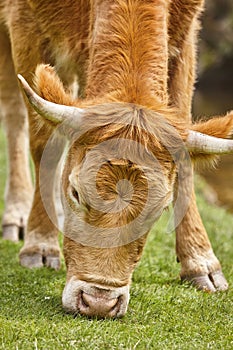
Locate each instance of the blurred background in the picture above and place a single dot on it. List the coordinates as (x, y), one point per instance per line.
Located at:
(214, 87)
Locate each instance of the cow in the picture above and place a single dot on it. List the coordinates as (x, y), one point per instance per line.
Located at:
(129, 139)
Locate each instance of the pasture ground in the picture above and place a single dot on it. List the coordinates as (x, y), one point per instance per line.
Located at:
(163, 313)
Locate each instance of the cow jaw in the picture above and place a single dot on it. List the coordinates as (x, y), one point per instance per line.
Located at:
(95, 300)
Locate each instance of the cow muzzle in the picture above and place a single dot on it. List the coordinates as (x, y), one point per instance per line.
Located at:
(94, 300)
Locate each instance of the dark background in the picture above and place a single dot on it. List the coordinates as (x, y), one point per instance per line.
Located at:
(214, 86)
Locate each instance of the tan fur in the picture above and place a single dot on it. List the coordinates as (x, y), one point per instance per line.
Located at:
(50, 87)
(135, 65)
(217, 126)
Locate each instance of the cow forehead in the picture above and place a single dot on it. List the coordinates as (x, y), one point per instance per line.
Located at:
(116, 192)
(126, 132)
(105, 166)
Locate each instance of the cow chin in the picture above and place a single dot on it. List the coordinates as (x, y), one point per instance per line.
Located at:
(93, 300)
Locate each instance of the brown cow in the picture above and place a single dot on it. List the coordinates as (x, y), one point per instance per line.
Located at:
(128, 132)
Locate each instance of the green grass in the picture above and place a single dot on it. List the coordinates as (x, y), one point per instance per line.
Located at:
(163, 313)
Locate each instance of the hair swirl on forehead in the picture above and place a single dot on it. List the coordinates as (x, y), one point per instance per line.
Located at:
(123, 186)
(119, 182)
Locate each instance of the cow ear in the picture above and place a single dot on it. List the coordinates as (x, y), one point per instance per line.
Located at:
(221, 127)
(49, 86)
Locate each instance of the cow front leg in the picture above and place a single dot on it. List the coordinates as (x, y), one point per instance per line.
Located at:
(199, 264)
(41, 247)
(19, 190)
(193, 248)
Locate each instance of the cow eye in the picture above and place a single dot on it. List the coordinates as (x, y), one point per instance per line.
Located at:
(75, 194)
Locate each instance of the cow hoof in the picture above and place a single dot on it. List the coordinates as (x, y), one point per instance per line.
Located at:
(37, 261)
(47, 258)
(213, 282)
(11, 233)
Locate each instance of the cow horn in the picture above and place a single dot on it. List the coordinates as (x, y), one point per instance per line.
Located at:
(201, 143)
(51, 111)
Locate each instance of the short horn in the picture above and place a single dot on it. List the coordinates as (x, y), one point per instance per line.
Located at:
(51, 111)
(201, 143)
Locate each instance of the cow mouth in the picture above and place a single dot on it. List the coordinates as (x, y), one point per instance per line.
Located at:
(98, 306)
(94, 300)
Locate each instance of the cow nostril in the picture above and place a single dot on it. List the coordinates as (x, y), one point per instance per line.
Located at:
(82, 300)
(116, 308)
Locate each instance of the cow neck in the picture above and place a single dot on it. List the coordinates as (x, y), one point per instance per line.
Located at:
(128, 51)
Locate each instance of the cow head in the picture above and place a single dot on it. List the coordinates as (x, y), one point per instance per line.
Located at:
(119, 175)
